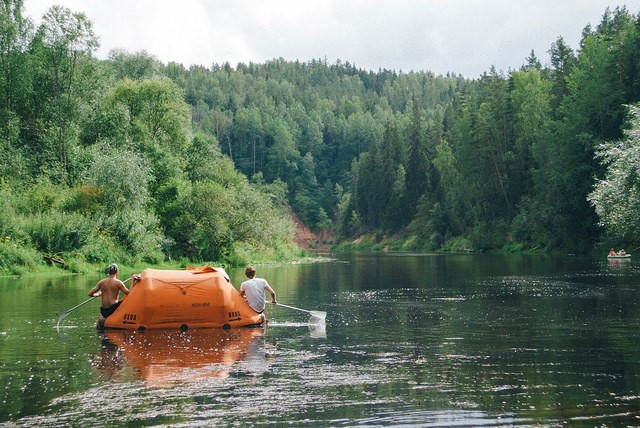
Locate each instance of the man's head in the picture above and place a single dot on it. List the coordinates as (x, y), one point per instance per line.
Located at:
(112, 269)
(250, 272)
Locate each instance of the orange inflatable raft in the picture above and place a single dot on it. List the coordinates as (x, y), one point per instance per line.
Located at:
(200, 297)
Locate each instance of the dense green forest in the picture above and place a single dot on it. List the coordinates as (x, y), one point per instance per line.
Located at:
(134, 160)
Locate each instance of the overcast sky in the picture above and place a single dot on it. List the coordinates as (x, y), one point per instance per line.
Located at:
(462, 36)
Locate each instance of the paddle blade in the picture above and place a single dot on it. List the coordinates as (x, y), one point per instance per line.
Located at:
(318, 331)
(62, 315)
(317, 317)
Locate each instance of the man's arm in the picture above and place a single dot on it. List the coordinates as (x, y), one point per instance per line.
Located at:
(123, 287)
(95, 289)
(273, 294)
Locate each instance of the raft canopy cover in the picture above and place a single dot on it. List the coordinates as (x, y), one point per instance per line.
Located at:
(201, 297)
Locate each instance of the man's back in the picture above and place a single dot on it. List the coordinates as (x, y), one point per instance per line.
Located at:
(253, 290)
(110, 288)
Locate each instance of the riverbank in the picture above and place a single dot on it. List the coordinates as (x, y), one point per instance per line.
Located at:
(406, 242)
(73, 267)
(376, 241)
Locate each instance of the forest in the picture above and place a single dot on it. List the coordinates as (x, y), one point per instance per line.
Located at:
(133, 160)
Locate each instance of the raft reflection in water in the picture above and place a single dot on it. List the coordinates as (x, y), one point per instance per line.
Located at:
(164, 358)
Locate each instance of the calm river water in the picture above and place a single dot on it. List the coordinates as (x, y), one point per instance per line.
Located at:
(410, 340)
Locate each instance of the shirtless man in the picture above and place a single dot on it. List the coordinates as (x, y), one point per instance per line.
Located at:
(109, 288)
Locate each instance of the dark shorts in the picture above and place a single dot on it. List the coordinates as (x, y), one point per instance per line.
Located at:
(111, 309)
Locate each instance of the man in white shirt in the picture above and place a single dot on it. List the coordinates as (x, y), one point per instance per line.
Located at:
(253, 290)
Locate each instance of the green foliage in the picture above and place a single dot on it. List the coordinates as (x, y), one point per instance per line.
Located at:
(10, 225)
(224, 216)
(13, 164)
(84, 199)
(57, 233)
(17, 259)
(41, 196)
(133, 160)
(134, 66)
(616, 197)
(203, 150)
(137, 232)
(117, 197)
(63, 79)
(157, 112)
(120, 177)
(418, 163)
(457, 245)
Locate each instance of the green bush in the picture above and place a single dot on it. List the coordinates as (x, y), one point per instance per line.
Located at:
(78, 264)
(102, 249)
(457, 244)
(58, 232)
(137, 232)
(42, 196)
(17, 259)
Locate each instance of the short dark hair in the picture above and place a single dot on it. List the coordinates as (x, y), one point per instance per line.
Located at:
(250, 271)
(113, 268)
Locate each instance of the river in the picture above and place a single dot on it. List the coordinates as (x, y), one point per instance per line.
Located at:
(410, 340)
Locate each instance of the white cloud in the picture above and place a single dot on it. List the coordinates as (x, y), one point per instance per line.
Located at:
(466, 37)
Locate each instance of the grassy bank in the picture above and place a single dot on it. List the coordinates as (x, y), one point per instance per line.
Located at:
(16, 260)
(411, 242)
